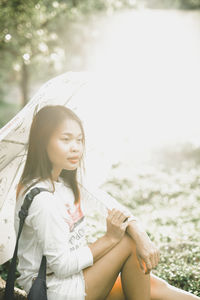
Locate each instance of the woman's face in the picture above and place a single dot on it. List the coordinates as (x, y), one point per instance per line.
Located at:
(65, 147)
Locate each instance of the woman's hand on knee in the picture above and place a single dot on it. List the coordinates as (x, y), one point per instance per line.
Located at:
(117, 223)
(147, 252)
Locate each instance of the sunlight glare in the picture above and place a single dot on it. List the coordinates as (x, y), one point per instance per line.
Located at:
(151, 60)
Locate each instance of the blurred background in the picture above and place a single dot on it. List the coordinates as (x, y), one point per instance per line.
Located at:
(148, 129)
(148, 52)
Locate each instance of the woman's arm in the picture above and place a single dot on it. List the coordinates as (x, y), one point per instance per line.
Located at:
(53, 235)
(101, 246)
(146, 249)
(115, 230)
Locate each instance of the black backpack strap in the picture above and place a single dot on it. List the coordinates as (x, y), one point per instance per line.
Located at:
(42, 270)
(23, 213)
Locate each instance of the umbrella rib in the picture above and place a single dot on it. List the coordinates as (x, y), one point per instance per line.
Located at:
(13, 142)
(16, 172)
(11, 161)
(13, 179)
(2, 158)
(74, 93)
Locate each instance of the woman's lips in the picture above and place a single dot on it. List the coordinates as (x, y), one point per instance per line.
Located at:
(73, 160)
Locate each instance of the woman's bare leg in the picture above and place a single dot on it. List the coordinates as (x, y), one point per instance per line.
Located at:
(100, 278)
(136, 283)
(161, 290)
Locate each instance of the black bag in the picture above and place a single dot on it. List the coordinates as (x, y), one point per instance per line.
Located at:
(38, 290)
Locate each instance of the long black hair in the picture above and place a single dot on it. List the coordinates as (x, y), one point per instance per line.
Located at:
(37, 164)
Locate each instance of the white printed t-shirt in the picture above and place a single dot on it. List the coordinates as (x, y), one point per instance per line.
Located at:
(54, 227)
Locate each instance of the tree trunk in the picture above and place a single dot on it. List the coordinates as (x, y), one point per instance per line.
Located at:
(18, 294)
(24, 84)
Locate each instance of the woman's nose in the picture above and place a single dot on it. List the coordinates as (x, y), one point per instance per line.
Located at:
(74, 146)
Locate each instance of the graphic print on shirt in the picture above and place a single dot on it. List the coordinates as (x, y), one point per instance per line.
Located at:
(75, 216)
(74, 219)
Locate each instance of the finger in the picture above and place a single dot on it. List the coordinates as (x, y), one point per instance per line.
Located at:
(123, 218)
(156, 257)
(116, 217)
(124, 225)
(142, 264)
(111, 214)
(148, 264)
(154, 260)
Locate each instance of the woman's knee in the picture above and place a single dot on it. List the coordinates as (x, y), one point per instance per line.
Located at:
(128, 243)
(158, 287)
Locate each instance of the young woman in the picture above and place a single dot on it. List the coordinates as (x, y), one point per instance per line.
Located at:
(55, 225)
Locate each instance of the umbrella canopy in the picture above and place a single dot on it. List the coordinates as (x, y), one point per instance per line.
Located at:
(60, 90)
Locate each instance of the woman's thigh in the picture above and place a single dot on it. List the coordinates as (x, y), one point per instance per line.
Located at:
(101, 277)
(158, 286)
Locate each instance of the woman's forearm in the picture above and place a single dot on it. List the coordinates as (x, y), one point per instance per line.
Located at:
(116, 227)
(101, 246)
(104, 244)
(135, 230)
